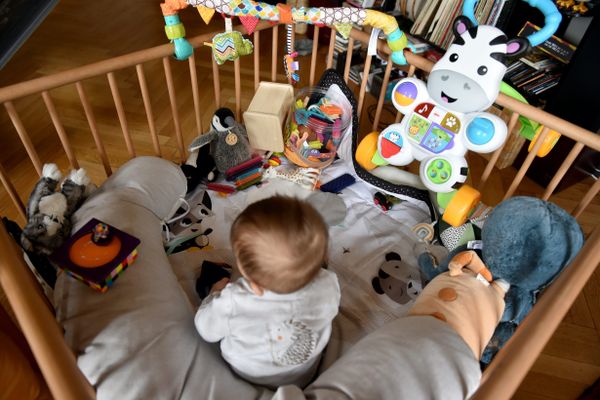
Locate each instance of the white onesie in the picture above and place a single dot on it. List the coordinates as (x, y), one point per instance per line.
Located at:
(273, 339)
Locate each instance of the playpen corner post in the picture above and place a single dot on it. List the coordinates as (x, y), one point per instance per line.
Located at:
(510, 366)
(43, 333)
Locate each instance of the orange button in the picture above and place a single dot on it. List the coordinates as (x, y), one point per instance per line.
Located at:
(447, 294)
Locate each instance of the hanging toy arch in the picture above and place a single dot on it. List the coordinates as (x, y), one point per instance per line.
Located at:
(283, 14)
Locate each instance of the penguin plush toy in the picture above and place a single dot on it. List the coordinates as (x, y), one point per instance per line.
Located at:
(224, 146)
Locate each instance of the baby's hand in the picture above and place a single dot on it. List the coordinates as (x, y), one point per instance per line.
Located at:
(219, 285)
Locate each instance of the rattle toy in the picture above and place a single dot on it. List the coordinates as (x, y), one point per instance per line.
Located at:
(101, 234)
(446, 116)
(229, 46)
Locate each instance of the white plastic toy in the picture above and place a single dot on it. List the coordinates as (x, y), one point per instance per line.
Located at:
(445, 117)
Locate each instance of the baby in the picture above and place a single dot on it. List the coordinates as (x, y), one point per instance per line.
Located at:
(274, 322)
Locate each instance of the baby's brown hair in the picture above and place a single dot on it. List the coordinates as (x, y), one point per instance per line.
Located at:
(280, 243)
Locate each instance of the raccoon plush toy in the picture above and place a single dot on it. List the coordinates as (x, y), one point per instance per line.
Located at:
(49, 212)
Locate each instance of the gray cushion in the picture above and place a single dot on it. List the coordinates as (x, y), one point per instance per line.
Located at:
(138, 340)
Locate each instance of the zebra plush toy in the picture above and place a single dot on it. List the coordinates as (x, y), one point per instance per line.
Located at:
(446, 116)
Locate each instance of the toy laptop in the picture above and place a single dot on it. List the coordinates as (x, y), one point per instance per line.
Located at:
(96, 254)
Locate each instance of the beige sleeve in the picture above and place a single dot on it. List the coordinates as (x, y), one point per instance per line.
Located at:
(472, 307)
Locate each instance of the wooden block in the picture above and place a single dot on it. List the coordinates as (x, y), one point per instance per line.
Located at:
(266, 114)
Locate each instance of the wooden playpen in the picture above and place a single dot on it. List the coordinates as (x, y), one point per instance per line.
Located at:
(35, 316)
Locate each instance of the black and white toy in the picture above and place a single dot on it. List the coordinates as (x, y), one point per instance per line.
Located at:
(224, 146)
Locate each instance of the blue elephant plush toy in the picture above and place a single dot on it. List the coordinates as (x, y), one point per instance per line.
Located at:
(527, 242)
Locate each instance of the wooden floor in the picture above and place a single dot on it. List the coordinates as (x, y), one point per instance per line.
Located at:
(78, 33)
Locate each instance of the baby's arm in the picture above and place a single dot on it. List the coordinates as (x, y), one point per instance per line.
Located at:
(212, 318)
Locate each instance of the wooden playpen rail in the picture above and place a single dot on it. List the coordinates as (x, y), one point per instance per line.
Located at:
(45, 336)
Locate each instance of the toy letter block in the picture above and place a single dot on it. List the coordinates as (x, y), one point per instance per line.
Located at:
(97, 254)
(266, 114)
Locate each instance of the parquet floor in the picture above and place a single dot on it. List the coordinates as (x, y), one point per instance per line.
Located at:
(77, 33)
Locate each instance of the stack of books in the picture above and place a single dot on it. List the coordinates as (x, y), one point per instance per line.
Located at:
(530, 81)
(434, 21)
(540, 70)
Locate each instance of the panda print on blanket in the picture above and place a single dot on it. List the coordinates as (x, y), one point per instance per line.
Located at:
(397, 280)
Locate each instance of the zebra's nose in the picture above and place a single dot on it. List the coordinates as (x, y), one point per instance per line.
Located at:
(445, 77)
(467, 87)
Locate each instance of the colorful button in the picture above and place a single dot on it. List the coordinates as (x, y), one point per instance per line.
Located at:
(480, 131)
(405, 94)
(439, 171)
(447, 294)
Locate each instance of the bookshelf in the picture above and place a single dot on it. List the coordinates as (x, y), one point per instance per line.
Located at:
(434, 20)
(575, 99)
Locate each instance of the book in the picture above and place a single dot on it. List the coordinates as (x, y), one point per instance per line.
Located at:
(505, 14)
(447, 35)
(424, 19)
(554, 46)
(97, 254)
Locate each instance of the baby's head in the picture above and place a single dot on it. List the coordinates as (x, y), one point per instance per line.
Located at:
(280, 243)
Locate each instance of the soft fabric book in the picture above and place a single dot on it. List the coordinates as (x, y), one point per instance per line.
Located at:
(97, 254)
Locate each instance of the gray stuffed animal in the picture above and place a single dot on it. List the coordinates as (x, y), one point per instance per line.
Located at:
(49, 212)
(228, 141)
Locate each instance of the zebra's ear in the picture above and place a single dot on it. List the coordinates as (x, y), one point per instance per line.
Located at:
(461, 25)
(517, 46)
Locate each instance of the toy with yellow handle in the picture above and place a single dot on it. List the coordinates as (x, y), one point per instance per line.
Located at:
(548, 143)
(282, 13)
(461, 205)
(366, 152)
(531, 130)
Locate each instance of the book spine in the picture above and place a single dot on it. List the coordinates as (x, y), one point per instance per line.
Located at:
(505, 14)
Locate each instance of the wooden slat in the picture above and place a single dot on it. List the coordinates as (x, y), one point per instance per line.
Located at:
(509, 367)
(89, 114)
(494, 159)
(238, 89)
(174, 112)
(114, 89)
(566, 164)
(103, 67)
(363, 84)
(195, 94)
(331, 48)
(216, 83)
(24, 136)
(43, 333)
(148, 107)
(313, 57)
(348, 59)
(14, 196)
(526, 164)
(384, 84)
(274, 60)
(64, 139)
(587, 199)
(256, 59)
(398, 117)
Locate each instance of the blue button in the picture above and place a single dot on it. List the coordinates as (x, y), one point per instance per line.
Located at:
(480, 131)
